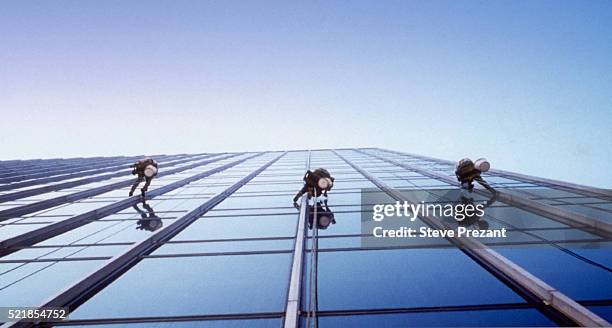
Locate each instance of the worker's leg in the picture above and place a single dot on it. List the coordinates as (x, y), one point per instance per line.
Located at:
(141, 212)
(135, 185)
(146, 186)
(485, 184)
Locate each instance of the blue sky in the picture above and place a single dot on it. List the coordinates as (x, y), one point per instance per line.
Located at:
(527, 84)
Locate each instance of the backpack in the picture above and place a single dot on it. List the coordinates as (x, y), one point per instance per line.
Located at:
(323, 173)
(464, 169)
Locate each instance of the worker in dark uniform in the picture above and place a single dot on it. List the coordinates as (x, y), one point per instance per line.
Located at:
(146, 169)
(316, 183)
(468, 171)
(325, 216)
(148, 220)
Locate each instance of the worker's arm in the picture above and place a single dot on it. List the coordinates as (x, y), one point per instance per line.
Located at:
(457, 175)
(299, 194)
(484, 184)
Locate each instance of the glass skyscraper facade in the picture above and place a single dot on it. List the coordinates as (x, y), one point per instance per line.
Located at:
(219, 243)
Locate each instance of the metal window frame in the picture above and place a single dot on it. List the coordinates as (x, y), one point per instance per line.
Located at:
(71, 184)
(552, 183)
(11, 245)
(583, 222)
(52, 202)
(547, 299)
(81, 291)
(86, 170)
(292, 306)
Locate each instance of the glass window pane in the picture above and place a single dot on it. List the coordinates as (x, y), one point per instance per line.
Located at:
(32, 283)
(240, 227)
(484, 318)
(231, 246)
(194, 285)
(257, 323)
(403, 278)
(570, 275)
(603, 311)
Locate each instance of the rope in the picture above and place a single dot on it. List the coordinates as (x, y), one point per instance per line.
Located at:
(312, 281)
(315, 254)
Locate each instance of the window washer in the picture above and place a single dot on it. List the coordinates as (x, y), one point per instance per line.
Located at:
(148, 220)
(316, 183)
(468, 171)
(146, 169)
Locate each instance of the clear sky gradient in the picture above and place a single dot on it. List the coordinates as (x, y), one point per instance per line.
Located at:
(527, 84)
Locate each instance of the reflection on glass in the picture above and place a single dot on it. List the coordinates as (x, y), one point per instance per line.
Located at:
(320, 216)
(149, 221)
(324, 215)
(487, 318)
(471, 219)
(183, 286)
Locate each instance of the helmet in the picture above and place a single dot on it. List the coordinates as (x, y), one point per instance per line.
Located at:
(323, 171)
(150, 171)
(482, 165)
(463, 162)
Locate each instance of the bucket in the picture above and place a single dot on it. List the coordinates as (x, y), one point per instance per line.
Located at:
(324, 183)
(482, 165)
(150, 171)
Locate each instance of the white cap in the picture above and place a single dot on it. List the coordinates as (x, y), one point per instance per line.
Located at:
(324, 183)
(482, 165)
(150, 171)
